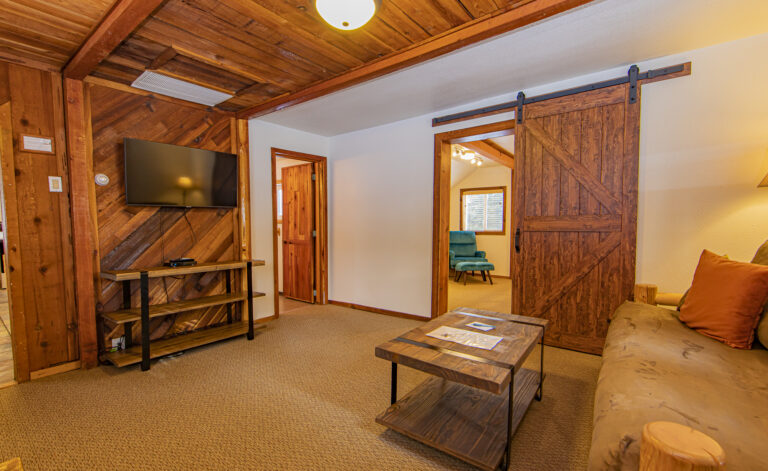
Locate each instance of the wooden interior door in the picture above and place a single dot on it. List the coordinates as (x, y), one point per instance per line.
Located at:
(298, 225)
(576, 177)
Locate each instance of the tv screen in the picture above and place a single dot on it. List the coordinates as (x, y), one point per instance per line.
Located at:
(167, 175)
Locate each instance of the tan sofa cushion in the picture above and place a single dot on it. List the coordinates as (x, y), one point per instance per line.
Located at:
(656, 368)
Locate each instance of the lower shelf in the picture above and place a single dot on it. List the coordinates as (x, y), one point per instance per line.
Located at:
(159, 348)
(462, 421)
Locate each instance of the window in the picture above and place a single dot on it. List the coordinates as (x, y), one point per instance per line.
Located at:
(483, 210)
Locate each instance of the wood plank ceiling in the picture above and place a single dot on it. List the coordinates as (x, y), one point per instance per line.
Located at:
(256, 50)
(45, 33)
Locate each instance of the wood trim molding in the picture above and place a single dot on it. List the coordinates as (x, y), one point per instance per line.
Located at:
(441, 202)
(124, 17)
(54, 370)
(490, 189)
(83, 200)
(12, 237)
(464, 35)
(377, 310)
(320, 168)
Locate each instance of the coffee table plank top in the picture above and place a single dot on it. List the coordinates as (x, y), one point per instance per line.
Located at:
(518, 339)
(488, 370)
(490, 378)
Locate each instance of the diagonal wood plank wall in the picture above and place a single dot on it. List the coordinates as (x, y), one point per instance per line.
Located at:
(132, 237)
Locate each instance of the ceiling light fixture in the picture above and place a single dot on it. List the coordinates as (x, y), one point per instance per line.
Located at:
(347, 14)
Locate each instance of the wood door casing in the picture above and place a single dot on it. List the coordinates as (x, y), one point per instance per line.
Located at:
(298, 224)
(576, 197)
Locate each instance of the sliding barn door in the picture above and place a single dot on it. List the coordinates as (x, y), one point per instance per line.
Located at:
(576, 176)
(298, 224)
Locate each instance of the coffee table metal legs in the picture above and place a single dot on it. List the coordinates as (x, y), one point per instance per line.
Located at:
(505, 463)
(393, 397)
(510, 419)
(540, 392)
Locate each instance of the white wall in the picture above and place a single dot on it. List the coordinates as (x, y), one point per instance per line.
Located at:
(262, 137)
(496, 246)
(704, 148)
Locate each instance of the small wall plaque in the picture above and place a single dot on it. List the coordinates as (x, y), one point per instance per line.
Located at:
(38, 144)
(54, 185)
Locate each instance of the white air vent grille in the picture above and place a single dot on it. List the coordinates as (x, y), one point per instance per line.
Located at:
(164, 85)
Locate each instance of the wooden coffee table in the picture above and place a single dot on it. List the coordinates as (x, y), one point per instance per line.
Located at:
(465, 408)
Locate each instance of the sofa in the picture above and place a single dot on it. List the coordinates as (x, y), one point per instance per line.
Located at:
(656, 368)
(462, 247)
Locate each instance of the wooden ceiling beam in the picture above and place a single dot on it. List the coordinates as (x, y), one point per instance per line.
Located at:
(491, 152)
(464, 35)
(166, 56)
(124, 17)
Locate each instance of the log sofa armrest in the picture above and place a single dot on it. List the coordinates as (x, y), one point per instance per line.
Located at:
(649, 294)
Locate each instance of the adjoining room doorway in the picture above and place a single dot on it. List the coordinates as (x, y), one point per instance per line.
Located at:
(480, 220)
(492, 143)
(300, 237)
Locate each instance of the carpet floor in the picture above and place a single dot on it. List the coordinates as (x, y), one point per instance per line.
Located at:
(302, 395)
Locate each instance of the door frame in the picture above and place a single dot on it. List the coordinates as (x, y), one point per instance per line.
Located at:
(441, 205)
(320, 188)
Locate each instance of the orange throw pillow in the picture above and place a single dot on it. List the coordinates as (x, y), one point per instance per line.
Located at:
(726, 299)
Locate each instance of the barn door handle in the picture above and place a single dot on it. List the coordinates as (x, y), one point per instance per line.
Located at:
(517, 240)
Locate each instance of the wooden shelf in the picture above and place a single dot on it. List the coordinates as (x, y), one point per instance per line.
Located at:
(159, 310)
(462, 421)
(176, 344)
(159, 272)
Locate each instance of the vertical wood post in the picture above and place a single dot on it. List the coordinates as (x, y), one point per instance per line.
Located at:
(244, 191)
(80, 178)
(646, 294)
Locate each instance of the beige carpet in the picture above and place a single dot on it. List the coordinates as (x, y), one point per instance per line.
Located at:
(302, 396)
(480, 294)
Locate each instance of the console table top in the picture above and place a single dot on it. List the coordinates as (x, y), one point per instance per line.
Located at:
(159, 272)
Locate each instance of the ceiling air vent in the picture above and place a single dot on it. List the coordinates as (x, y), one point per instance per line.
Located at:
(164, 85)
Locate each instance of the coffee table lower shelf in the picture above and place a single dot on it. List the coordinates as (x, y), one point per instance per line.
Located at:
(462, 421)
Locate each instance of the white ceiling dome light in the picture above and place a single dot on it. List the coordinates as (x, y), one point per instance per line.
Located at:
(347, 14)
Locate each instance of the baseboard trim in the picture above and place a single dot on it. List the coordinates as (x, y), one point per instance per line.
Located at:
(54, 370)
(377, 310)
(8, 384)
(263, 320)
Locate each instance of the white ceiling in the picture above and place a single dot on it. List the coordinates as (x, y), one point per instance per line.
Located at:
(599, 36)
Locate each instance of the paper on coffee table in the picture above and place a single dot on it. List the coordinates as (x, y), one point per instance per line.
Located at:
(465, 337)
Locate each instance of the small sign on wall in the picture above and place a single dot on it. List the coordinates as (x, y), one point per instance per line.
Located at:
(38, 144)
(54, 185)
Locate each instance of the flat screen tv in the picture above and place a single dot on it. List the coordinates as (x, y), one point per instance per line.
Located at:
(167, 175)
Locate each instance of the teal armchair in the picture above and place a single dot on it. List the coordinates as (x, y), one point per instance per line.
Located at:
(463, 248)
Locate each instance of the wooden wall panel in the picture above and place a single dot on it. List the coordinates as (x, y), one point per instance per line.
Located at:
(132, 237)
(40, 258)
